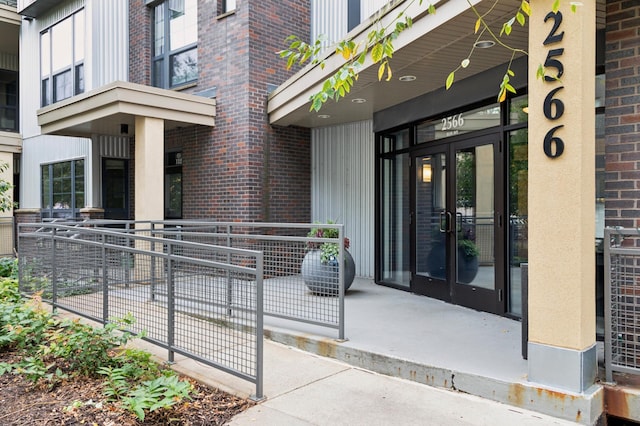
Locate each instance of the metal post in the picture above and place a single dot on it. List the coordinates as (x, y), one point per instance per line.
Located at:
(229, 280)
(341, 271)
(608, 344)
(153, 264)
(171, 314)
(54, 271)
(259, 326)
(128, 263)
(105, 283)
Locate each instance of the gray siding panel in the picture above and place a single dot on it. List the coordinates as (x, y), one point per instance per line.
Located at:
(329, 17)
(343, 184)
(114, 146)
(110, 41)
(9, 62)
(61, 11)
(48, 149)
(369, 7)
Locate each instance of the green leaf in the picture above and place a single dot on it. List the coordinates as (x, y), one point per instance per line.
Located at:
(316, 104)
(432, 9)
(478, 22)
(450, 78)
(510, 72)
(556, 5)
(526, 7)
(540, 71)
(377, 52)
(520, 18)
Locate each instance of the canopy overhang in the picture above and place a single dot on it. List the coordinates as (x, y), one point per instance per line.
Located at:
(111, 110)
(432, 48)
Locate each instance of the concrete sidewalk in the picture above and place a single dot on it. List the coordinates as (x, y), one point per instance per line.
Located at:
(306, 389)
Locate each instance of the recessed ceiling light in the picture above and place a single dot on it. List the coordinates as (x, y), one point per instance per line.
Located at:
(484, 44)
(323, 116)
(407, 78)
(358, 101)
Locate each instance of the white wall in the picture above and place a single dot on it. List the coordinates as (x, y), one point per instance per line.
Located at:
(343, 185)
(106, 60)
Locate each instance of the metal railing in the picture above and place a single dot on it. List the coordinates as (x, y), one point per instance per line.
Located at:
(622, 301)
(317, 299)
(177, 291)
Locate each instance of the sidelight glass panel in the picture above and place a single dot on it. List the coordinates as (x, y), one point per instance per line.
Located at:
(474, 221)
(432, 220)
(395, 221)
(518, 216)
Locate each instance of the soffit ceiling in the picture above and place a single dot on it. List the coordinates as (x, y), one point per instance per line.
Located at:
(430, 58)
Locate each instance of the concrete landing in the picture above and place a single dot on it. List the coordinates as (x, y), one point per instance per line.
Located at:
(427, 341)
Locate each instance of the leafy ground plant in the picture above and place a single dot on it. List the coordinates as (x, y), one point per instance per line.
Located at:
(42, 353)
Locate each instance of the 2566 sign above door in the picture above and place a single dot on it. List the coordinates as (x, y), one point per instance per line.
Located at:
(553, 106)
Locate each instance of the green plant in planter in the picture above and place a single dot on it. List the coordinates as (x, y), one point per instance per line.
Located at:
(468, 247)
(328, 251)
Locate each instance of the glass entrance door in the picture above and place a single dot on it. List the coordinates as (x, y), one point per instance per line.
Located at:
(457, 230)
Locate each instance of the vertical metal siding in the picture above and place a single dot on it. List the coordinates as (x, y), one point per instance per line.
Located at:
(61, 11)
(9, 62)
(369, 7)
(47, 149)
(30, 63)
(113, 146)
(343, 184)
(329, 17)
(108, 26)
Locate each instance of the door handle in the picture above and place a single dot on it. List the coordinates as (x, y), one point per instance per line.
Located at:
(445, 221)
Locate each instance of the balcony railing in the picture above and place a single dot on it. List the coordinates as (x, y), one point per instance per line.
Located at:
(12, 3)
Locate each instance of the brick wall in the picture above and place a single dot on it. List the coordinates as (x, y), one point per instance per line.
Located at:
(243, 169)
(140, 53)
(622, 146)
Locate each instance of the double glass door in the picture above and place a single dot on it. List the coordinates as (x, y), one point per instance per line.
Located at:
(457, 223)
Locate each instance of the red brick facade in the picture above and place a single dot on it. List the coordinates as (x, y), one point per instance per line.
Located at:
(242, 169)
(623, 113)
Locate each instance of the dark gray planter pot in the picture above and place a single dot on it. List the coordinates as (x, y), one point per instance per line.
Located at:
(322, 279)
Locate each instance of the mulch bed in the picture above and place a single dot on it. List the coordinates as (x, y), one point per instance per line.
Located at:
(23, 403)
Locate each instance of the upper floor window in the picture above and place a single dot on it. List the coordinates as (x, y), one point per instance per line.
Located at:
(8, 100)
(62, 59)
(175, 49)
(229, 5)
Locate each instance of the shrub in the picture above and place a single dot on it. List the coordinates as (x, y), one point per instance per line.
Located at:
(9, 267)
(53, 350)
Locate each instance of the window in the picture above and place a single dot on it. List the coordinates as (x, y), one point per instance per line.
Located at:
(229, 5)
(8, 100)
(175, 50)
(62, 59)
(62, 188)
(173, 185)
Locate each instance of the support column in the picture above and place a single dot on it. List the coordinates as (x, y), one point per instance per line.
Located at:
(149, 169)
(561, 349)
